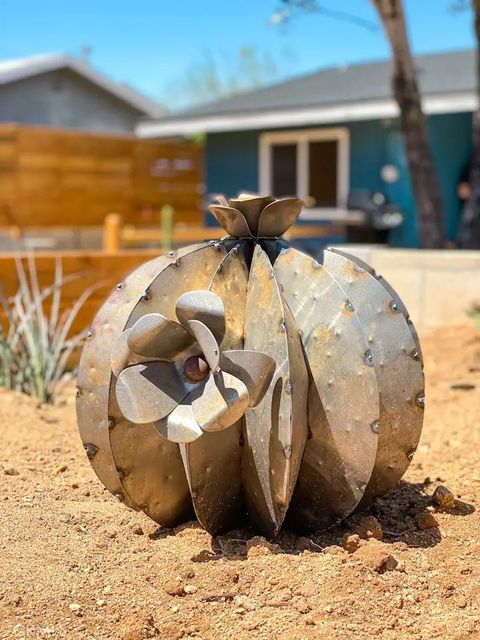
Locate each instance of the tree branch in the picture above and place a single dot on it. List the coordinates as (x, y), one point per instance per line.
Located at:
(312, 6)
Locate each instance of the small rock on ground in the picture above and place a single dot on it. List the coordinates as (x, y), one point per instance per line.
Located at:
(259, 546)
(369, 527)
(443, 497)
(426, 520)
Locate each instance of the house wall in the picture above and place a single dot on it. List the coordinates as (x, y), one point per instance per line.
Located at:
(65, 99)
(231, 164)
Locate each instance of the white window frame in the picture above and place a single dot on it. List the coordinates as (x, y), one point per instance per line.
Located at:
(302, 138)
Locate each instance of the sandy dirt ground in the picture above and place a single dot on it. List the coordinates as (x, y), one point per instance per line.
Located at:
(75, 563)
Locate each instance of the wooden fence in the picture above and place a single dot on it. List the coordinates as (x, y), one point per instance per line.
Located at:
(61, 177)
(95, 267)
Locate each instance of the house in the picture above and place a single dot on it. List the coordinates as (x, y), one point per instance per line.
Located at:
(330, 133)
(60, 90)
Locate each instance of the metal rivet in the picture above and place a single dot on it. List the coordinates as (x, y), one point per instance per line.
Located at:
(170, 254)
(121, 285)
(368, 358)
(288, 386)
(111, 423)
(394, 307)
(375, 426)
(90, 450)
(218, 246)
(288, 452)
(410, 454)
(420, 399)
(89, 334)
(283, 326)
(349, 306)
(415, 355)
(119, 495)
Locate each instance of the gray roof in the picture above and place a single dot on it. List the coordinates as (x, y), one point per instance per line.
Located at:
(443, 73)
(437, 73)
(20, 68)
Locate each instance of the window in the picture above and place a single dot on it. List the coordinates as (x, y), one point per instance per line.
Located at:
(312, 165)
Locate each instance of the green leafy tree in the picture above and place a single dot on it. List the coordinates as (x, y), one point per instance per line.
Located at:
(213, 77)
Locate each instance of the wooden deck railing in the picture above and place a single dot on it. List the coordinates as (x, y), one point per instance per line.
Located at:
(117, 236)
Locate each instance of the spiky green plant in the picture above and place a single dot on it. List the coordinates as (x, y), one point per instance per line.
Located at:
(36, 346)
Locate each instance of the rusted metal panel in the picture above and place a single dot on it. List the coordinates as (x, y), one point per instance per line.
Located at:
(277, 428)
(398, 368)
(343, 396)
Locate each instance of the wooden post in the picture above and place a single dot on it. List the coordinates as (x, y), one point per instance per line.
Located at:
(166, 214)
(111, 233)
(14, 232)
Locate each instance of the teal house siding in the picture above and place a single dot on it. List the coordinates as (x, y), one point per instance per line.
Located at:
(451, 142)
(231, 162)
(231, 165)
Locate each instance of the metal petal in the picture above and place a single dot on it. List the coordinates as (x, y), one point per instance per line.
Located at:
(159, 482)
(224, 400)
(121, 353)
(278, 216)
(207, 343)
(148, 392)
(397, 364)
(213, 462)
(251, 207)
(204, 306)
(277, 427)
(180, 426)
(343, 397)
(154, 336)
(232, 220)
(254, 368)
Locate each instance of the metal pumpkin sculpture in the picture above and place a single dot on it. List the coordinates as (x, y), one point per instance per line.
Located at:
(243, 380)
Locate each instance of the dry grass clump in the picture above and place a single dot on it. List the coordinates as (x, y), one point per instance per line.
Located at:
(36, 345)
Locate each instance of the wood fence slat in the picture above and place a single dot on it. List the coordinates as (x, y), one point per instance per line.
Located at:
(49, 176)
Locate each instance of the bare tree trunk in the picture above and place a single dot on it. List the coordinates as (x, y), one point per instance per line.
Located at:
(469, 232)
(414, 126)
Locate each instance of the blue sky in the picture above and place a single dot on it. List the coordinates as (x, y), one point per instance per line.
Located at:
(151, 43)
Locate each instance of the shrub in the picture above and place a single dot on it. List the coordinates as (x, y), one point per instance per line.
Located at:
(36, 346)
